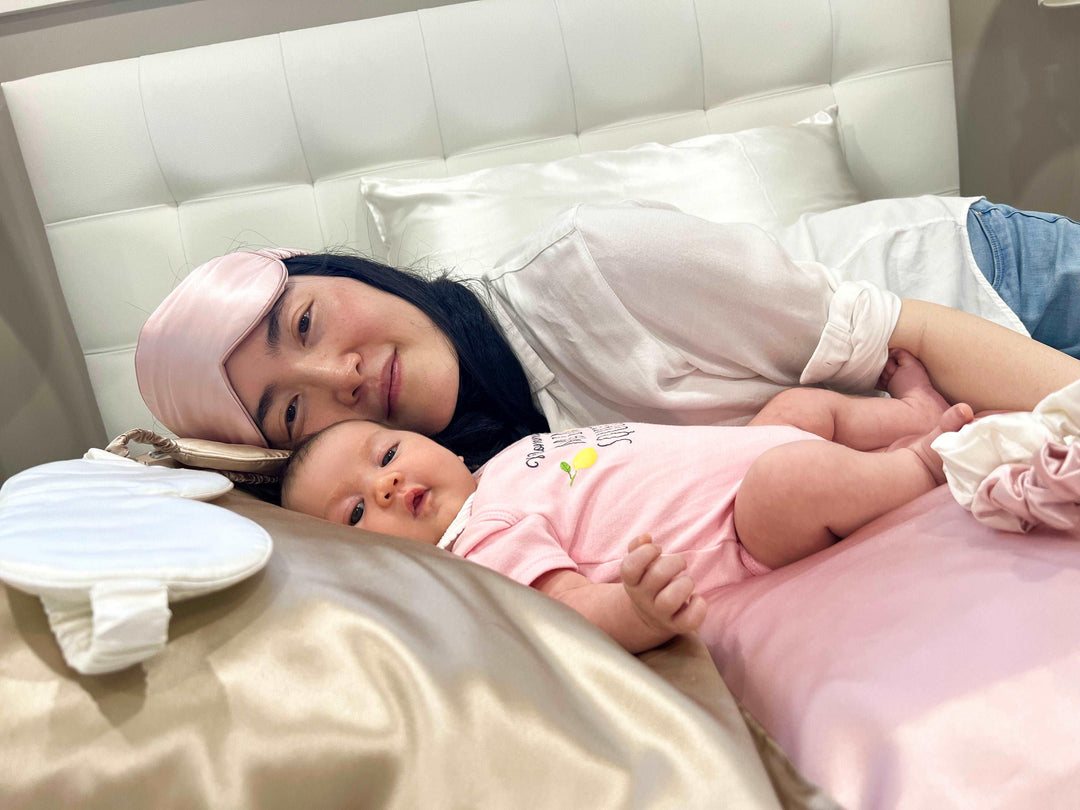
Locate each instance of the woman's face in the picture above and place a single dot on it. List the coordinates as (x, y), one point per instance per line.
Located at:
(333, 349)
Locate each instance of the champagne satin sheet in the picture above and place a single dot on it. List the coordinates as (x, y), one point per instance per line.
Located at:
(376, 674)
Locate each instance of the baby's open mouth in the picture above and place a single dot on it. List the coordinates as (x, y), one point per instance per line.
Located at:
(415, 499)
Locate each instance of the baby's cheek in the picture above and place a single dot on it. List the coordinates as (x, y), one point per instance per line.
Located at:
(408, 528)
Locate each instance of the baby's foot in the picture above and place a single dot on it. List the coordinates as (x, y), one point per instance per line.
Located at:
(951, 420)
(905, 378)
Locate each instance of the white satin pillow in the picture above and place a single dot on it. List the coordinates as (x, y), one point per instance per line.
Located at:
(768, 176)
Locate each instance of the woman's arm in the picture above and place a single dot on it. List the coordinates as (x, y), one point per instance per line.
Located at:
(723, 311)
(972, 360)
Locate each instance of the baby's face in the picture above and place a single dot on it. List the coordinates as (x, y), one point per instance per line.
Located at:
(389, 481)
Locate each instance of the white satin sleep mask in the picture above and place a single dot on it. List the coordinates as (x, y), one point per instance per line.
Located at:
(107, 543)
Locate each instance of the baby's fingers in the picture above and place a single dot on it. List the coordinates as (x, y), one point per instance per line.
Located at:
(637, 562)
(660, 573)
(640, 540)
(690, 617)
(674, 596)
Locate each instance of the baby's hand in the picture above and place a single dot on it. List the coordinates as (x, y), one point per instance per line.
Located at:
(660, 591)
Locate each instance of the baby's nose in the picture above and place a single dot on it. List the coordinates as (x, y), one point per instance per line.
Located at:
(385, 488)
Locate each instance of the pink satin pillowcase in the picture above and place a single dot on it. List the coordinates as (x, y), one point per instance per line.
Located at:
(926, 661)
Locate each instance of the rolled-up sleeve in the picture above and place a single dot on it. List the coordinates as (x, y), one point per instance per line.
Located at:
(855, 341)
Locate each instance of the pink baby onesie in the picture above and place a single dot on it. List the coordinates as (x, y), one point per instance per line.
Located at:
(575, 499)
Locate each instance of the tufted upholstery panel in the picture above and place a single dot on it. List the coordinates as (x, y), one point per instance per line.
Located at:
(144, 168)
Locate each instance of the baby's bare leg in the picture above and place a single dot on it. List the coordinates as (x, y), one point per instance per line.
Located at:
(906, 380)
(912, 408)
(802, 497)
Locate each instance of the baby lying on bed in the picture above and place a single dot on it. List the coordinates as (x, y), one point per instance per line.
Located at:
(554, 510)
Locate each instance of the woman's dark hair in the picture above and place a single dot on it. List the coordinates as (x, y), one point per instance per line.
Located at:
(494, 404)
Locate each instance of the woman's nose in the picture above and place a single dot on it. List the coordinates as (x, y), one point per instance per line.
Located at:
(385, 488)
(342, 375)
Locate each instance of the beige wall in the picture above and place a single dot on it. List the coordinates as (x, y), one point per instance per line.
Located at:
(47, 409)
(1017, 68)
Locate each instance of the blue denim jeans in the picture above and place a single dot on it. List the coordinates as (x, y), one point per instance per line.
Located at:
(1033, 261)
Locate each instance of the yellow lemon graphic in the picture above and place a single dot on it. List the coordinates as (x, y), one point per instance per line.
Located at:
(584, 458)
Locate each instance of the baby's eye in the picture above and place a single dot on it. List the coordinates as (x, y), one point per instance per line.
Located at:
(357, 514)
(305, 322)
(389, 456)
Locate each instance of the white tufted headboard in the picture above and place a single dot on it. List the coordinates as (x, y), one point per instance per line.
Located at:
(144, 168)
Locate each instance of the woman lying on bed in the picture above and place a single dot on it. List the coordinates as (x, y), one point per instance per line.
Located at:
(608, 313)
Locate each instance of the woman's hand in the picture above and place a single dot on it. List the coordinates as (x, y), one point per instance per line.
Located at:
(660, 591)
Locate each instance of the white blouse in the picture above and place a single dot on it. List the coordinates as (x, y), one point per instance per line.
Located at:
(641, 312)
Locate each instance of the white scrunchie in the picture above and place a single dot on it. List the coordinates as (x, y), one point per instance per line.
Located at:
(1000, 454)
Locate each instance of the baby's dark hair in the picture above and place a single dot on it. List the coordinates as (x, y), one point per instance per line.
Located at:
(299, 455)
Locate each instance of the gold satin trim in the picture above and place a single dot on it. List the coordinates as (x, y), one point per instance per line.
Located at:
(242, 463)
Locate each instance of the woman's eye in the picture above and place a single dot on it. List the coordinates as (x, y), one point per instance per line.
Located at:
(305, 322)
(389, 455)
(357, 514)
(290, 413)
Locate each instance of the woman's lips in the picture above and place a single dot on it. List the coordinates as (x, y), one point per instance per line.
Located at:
(392, 375)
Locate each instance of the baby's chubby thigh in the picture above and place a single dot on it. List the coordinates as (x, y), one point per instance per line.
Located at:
(779, 510)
